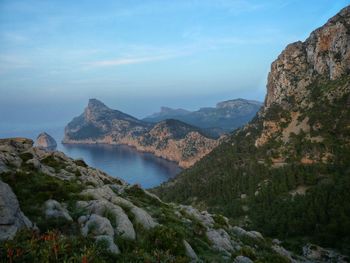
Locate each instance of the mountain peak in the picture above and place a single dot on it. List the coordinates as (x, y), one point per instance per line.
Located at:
(229, 104)
(96, 103)
(324, 54)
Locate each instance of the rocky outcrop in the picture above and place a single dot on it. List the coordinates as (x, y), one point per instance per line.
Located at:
(11, 217)
(323, 56)
(170, 139)
(45, 141)
(224, 118)
(326, 52)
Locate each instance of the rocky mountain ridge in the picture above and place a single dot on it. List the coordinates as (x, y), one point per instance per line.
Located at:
(224, 118)
(286, 173)
(170, 139)
(55, 208)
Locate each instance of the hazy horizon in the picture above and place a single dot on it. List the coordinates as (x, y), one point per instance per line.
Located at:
(141, 55)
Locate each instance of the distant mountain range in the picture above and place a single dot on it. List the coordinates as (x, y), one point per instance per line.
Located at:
(170, 139)
(224, 118)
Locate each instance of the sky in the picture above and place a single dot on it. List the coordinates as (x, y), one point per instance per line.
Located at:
(139, 55)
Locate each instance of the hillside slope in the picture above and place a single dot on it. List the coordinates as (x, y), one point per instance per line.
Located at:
(287, 173)
(224, 118)
(170, 139)
(57, 209)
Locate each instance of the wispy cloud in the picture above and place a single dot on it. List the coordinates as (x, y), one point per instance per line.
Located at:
(137, 54)
(10, 62)
(124, 61)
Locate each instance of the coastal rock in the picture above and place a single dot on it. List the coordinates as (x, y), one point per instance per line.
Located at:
(45, 141)
(11, 217)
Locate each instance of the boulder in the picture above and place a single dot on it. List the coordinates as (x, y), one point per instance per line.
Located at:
(143, 218)
(45, 141)
(11, 217)
(54, 209)
(111, 246)
(242, 259)
(97, 226)
(124, 228)
(243, 233)
(204, 217)
(189, 251)
(220, 240)
(319, 254)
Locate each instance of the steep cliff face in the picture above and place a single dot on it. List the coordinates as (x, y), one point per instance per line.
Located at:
(287, 172)
(169, 139)
(325, 53)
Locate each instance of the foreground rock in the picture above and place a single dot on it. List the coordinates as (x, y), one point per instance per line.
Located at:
(125, 222)
(11, 217)
(45, 141)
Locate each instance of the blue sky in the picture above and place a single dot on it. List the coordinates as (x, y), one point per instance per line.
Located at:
(139, 55)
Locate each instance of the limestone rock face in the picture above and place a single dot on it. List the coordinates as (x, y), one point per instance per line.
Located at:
(45, 141)
(326, 52)
(170, 139)
(11, 217)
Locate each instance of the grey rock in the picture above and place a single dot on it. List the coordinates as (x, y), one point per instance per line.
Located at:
(45, 141)
(189, 251)
(318, 254)
(143, 218)
(243, 233)
(204, 217)
(111, 246)
(35, 162)
(242, 259)
(220, 240)
(124, 228)
(54, 209)
(97, 226)
(11, 217)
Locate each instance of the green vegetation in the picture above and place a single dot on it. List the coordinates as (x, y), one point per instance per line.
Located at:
(236, 167)
(52, 246)
(33, 189)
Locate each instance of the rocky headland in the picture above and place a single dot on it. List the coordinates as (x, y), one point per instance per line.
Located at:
(170, 139)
